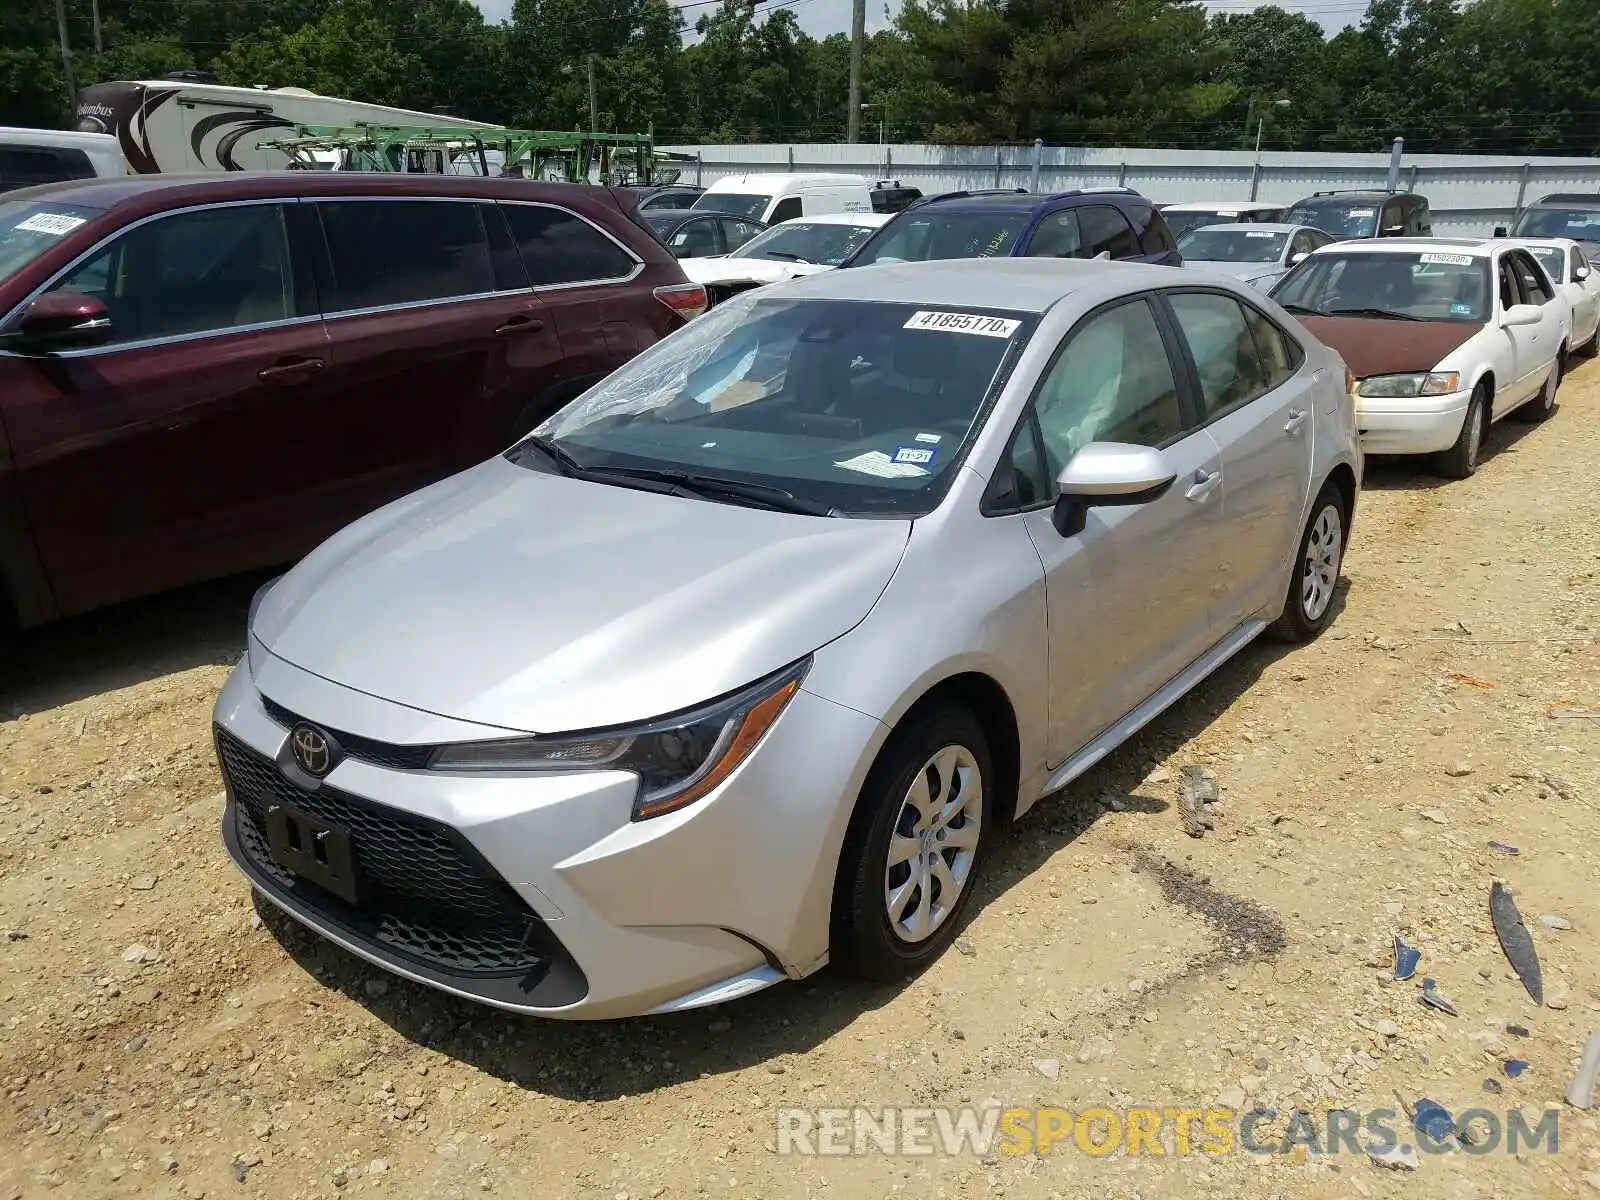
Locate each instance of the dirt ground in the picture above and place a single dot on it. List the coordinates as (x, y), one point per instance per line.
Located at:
(157, 1038)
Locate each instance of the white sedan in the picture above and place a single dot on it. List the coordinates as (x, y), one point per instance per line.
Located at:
(1578, 280)
(802, 246)
(1442, 335)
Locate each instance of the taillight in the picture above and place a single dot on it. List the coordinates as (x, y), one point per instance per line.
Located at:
(688, 300)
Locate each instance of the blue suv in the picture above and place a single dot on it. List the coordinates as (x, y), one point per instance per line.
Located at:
(1086, 223)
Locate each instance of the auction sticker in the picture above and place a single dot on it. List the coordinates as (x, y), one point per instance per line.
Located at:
(56, 223)
(951, 322)
(1448, 260)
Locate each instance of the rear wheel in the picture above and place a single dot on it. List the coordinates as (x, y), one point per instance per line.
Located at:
(916, 841)
(1590, 348)
(1461, 460)
(1309, 605)
(1543, 406)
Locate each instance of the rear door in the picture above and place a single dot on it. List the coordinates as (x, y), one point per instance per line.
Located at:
(736, 232)
(188, 445)
(1257, 405)
(1106, 231)
(1545, 338)
(589, 284)
(434, 337)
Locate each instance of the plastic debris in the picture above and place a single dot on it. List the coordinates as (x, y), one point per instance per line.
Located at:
(1502, 848)
(1434, 998)
(1406, 958)
(1515, 1067)
(1515, 940)
(1580, 1093)
(1197, 791)
(1470, 681)
(1433, 1121)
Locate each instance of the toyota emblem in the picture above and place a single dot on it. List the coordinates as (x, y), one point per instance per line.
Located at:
(313, 750)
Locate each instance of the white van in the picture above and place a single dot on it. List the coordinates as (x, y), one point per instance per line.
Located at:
(30, 156)
(775, 198)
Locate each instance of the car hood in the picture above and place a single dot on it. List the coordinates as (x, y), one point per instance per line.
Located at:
(1238, 270)
(1376, 346)
(729, 269)
(509, 597)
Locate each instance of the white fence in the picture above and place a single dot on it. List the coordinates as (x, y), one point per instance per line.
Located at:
(1469, 194)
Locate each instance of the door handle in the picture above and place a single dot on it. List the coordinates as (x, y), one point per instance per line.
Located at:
(1204, 481)
(290, 370)
(513, 325)
(1297, 418)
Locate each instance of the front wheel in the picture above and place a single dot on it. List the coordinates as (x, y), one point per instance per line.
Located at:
(916, 840)
(1309, 606)
(1461, 460)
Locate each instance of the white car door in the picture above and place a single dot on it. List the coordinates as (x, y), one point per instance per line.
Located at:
(1586, 282)
(1555, 326)
(1519, 357)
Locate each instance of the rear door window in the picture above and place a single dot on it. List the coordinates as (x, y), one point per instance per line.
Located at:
(1106, 230)
(736, 233)
(560, 247)
(1280, 354)
(24, 166)
(201, 271)
(1056, 236)
(388, 252)
(1149, 228)
(696, 238)
(1223, 348)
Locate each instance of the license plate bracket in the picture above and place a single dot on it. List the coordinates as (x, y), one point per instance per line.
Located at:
(315, 851)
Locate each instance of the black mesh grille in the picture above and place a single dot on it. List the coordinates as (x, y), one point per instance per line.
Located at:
(429, 895)
(382, 754)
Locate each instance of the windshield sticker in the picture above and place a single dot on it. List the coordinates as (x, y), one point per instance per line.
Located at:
(1460, 310)
(1448, 260)
(935, 438)
(876, 462)
(920, 455)
(54, 223)
(1260, 233)
(951, 322)
(1362, 212)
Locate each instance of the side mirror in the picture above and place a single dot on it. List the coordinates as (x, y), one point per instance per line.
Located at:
(1107, 473)
(1298, 257)
(1501, 231)
(1580, 273)
(61, 320)
(1522, 314)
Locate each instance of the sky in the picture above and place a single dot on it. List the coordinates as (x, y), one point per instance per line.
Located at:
(822, 17)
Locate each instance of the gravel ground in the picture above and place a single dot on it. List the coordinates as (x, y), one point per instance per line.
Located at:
(157, 1037)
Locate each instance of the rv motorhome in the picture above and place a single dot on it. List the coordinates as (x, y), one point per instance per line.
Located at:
(174, 125)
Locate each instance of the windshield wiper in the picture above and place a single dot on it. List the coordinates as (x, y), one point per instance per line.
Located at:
(714, 487)
(785, 255)
(1301, 308)
(564, 462)
(1387, 314)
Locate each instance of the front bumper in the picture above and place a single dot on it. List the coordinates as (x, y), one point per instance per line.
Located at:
(1411, 425)
(538, 894)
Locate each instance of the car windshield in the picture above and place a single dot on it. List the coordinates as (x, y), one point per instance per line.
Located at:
(1240, 245)
(30, 227)
(817, 242)
(1579, 224)
(1341, 218)
(920, 236)
(737, 204)
(1554, 261)
(1187, 222)
(1420, 286)
(857, 406)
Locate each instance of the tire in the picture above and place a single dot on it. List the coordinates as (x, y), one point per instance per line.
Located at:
(865, 940)
(1461, 460)
(1308, 607)
(1543, 406)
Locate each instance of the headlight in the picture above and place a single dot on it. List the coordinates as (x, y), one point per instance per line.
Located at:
(1430, 383)
(678, 759)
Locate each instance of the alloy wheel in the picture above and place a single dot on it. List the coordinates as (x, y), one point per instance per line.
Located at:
(1321, 568)
(934, 844)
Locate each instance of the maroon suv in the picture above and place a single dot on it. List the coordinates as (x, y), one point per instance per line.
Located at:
(201, 375)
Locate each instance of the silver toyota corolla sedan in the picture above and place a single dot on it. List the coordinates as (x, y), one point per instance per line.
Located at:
(743, 661)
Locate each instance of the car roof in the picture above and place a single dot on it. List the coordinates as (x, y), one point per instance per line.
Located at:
(1025, 201)
(1579, 200)
(1476, 247)
(838, 218)
(1351, 194)
(1253, 226)
(1031, 285)
(770, 183)
(1221, 206)
(173, 190)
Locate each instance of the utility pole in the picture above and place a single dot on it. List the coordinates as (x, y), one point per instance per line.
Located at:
(858, 28)
(94, 7)
(66, 58)
(594, 115)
